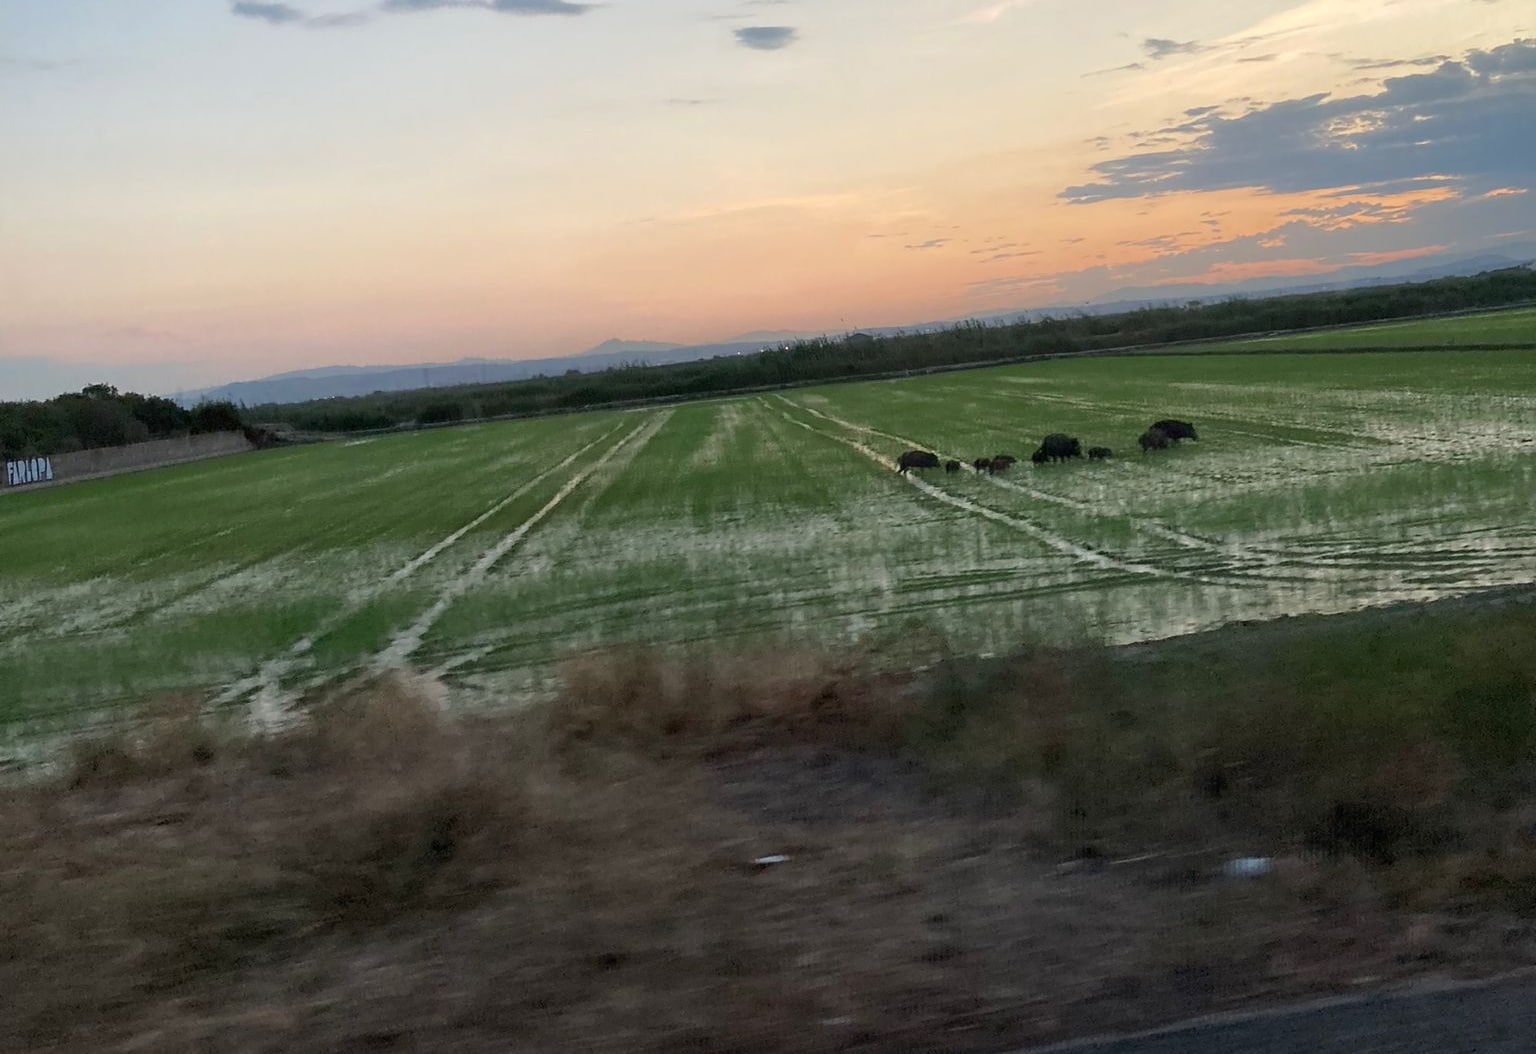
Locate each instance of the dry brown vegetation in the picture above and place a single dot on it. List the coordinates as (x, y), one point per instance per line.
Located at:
(979, 856)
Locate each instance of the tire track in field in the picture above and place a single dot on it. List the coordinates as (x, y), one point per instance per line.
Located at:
(808, 596)
(1298, 561)
(104, 620)
(265, 682)
(1244, 560)
(1052, 540)
(1140, 523)
(405, 643)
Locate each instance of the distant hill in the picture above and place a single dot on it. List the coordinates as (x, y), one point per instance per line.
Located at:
(628, 347)
(330, 382)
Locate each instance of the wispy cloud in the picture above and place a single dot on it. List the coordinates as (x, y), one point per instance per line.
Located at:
(993, 12)
(282, 14)
(506, 7)
(766, 38)
(287, 15)
(13, 64)
(1158, 48)
(1391, 64)
(277, 14)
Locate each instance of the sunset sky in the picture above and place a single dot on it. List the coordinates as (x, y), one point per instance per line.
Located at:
(195, 191)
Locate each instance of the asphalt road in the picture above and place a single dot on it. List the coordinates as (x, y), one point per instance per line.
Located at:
(1497, 1017)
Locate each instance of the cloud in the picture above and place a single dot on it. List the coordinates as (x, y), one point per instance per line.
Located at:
(1117, 69)
(506, 7)
(1159, 48)
(277, 14)
(10, 63)
(287, 15)
(339, 21)
(992, 12)
(1466, 120)
(931, 243)
(1013, 284)
(1278, 256)
(503, 6)
(1516, 57)
(1392, 64)
(280, 14)
(766, 38)
(539, 7)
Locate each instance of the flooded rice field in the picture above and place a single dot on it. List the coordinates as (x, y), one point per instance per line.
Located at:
(486, 555)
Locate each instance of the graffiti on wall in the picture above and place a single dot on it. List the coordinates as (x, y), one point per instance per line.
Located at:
(28, 470)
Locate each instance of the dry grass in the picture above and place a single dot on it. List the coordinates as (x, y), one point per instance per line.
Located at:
(637, 699)
(174, 854)
(979, 857)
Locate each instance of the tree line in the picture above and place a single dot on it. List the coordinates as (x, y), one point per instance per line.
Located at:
(101, 416)
(826, 360)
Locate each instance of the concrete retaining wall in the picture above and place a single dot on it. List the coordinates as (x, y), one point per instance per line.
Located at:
(110, 461)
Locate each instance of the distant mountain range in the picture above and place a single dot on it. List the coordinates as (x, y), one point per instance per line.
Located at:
(330, 382)
(340, 381)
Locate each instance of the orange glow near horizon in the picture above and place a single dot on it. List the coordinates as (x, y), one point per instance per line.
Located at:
(513, 197)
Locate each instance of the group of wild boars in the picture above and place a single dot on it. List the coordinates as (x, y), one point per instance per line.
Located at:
(1058, 446)
(1165, 433)
(914, 459)
(927, 459)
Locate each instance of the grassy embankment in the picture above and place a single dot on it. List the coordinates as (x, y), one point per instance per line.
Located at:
(984, 855)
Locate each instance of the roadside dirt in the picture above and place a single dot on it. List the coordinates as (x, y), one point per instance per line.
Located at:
(802, 853)
(404, 891)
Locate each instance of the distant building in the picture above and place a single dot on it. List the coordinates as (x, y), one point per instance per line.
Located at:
(858, 339)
